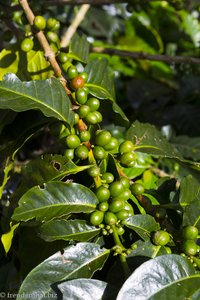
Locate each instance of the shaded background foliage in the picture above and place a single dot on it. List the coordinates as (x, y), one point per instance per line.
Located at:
(164, 94)
(150, 91)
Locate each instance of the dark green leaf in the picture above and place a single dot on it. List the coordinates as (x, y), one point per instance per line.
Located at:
(189, 147)
(189, 190)
(167, 275)
(6, 116)
(78, 230)
(191, 214)
(141, 248)
(183, 289)
(110, 109)
(100, 81)
(22, 129)
(79, 261)
(80, 289)
(120, 114)
(162, 193)
(150, 140)
(79, 48)
(48, 168)
(143, 225)
(48, 96)
(54, 199)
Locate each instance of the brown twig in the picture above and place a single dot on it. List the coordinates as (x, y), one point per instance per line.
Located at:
(49, 54)
(145, 56)
(80, 2)
(66, 38)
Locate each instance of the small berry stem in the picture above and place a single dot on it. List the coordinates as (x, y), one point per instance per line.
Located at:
(122, 257)
(49, 54)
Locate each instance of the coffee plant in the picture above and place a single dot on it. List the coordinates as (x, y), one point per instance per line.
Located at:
(95, 204)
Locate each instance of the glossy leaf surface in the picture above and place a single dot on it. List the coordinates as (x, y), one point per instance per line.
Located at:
(100, 82)
(48, 96)
(160, 277)
(80, 289)
(78, 230)
(79, 261)
(54, 199)
(143, 225)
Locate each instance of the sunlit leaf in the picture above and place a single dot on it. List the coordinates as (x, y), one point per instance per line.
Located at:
(78, 230)
(100, 81)
(54, 199)
(48, 96)
(164, 275)
(76, 261)
(143, 225)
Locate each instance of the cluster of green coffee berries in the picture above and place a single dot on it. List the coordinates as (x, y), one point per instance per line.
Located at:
(189, 236)
(50, 26)
(87, 106)
(113, 207)
(113, 194)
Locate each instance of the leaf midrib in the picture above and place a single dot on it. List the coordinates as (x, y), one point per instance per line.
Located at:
(53, 206)
(82, 265)
(33, 99)
(175, 282)
(100, 88)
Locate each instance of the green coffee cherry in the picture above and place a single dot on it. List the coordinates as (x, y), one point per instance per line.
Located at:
(110, 218)
(116, 205)
(137, 189)
(96, 217)
(161, 238)
(108, 177)
(63, 58)
(39, 22)
(128, 207)
(76, 118)
(189, 247)
(122, 215)
(52, 37)
(93, 103)
(99, 152)
(81, 96)
(113, 144)
(27, 45)
(84, 75)
(98, 116)
(92, 118)
(72, 141)
(126, 146)
(72, 72)
(125, 195)
(125, 182)
(82, 152)
(52, 24)
(190, 232)
(127, 159)
(84, 136)
(103, 138)
(102, 193)
(94, 171)
(69, 153)
(116, 188)
(83, 111)
(120, 230)
(103, 206)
